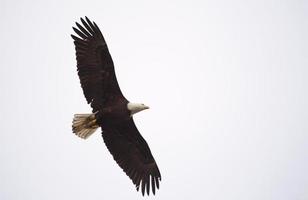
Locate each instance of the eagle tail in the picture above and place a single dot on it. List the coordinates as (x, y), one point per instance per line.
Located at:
(84, 125)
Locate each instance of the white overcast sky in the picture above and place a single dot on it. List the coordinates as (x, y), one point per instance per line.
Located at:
(226, 82)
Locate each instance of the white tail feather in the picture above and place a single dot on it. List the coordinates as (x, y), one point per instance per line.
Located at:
(84, 125)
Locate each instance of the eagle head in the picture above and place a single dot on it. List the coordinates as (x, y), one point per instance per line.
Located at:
(136, 107)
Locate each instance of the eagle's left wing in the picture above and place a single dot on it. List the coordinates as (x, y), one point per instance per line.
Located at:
(133, 155)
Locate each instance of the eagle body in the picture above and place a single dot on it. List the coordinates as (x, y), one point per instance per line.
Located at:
(113, 114)
(110, 109)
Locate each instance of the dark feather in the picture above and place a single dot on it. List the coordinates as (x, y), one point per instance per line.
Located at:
(143, 186)
(95, 66)
(80, 33)
(84, 31)
(125, 143)
(87, 26)
(153, 184)
(91, 25)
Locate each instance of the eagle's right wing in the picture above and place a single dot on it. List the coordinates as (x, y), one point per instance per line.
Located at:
(95, 66)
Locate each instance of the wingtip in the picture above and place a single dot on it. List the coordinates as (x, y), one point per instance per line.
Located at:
(153, 184)
(143, 187)
(148, 185)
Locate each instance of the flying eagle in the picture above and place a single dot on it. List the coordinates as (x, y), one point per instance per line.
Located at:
(110, 109)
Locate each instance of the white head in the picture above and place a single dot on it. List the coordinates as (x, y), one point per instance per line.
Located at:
(136, 107)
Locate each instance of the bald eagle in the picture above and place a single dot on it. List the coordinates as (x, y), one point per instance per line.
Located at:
(110, 109)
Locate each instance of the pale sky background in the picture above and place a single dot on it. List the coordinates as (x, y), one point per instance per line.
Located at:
(226, 82)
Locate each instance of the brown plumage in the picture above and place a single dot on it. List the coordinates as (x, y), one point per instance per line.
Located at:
(110, 111)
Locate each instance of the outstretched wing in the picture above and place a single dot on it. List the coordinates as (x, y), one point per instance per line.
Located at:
(95, 65)
(133, 155)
